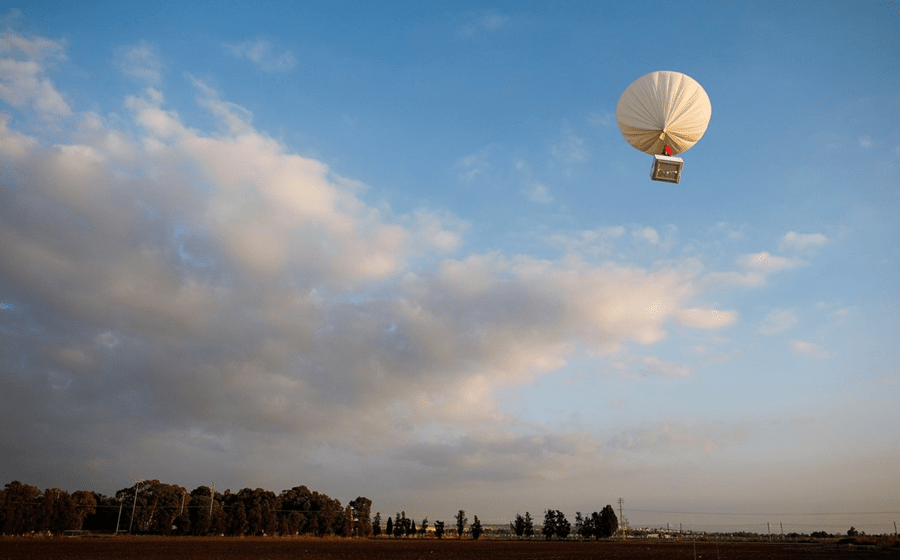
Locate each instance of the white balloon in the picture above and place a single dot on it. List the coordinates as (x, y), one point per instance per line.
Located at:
(663, 109)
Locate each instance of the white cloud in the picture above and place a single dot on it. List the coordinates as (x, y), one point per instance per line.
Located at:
(778, 320)
(706, 318)
(208, 292)
(141, 61)
(263, 54)
(802, 241)
(22, 74)
(646, 234)
(757, 267)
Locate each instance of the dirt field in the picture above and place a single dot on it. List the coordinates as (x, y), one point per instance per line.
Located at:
(156, 548)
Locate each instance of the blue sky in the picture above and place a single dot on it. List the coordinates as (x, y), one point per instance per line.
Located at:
(401, 250)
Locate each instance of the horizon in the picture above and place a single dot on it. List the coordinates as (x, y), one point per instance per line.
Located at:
(402, 251)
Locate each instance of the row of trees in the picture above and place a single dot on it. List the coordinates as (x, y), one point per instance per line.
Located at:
(165, 509)
(25, 508)
(155, 507)
(402, 526)
(600, 525)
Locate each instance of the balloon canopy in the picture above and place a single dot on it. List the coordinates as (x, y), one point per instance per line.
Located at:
(663, 109)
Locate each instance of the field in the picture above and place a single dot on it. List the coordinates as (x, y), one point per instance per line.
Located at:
(200, 548)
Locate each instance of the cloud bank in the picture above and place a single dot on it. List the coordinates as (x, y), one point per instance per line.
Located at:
(175, 298)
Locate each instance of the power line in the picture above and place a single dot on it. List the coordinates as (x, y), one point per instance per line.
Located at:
(762, 514)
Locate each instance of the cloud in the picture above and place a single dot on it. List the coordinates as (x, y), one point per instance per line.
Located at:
(656, 366)
(537, 192)
(757, 267)
(570, 150)
(23, 66)
(802, 241)
(209, 295)
(810, 349)
(263, 54)
(474, 166)
(675, 435)
(777, 321)
(141, 61)
(706, 318)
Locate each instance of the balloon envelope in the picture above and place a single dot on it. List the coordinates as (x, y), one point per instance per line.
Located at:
(663, 109)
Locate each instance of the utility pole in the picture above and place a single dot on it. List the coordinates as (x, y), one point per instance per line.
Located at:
(134, 504)
(212, 496)
(782, 529)
(622, 516)
(769, 530)
(122, 502)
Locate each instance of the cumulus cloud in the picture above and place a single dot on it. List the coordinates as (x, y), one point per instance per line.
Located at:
(263, 54)
(170, 290)
(23, 80)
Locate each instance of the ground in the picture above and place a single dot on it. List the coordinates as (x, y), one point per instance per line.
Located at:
(203, 548)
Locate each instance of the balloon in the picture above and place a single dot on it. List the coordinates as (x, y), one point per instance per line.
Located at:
(663, 109)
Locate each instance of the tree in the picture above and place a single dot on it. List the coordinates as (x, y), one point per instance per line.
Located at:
(563, 527)
(461, 523)
(529, 525)
(201, 514)
(608, 523)
(399, 525)
(439, 529)
(347, 529)
(476, 529)
(85, 505)
(54, 512)
(362, 512)
(423, 528)
(518, 525)
(389, 528)
(18, 510)
(549, 527)
(376, 526)
(237, 520)
(852, 532)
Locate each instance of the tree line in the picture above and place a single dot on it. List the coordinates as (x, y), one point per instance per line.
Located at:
(599, 525)
(154, 507)
(402, 526)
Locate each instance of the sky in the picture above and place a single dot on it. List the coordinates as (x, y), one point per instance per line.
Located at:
(400, 250)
